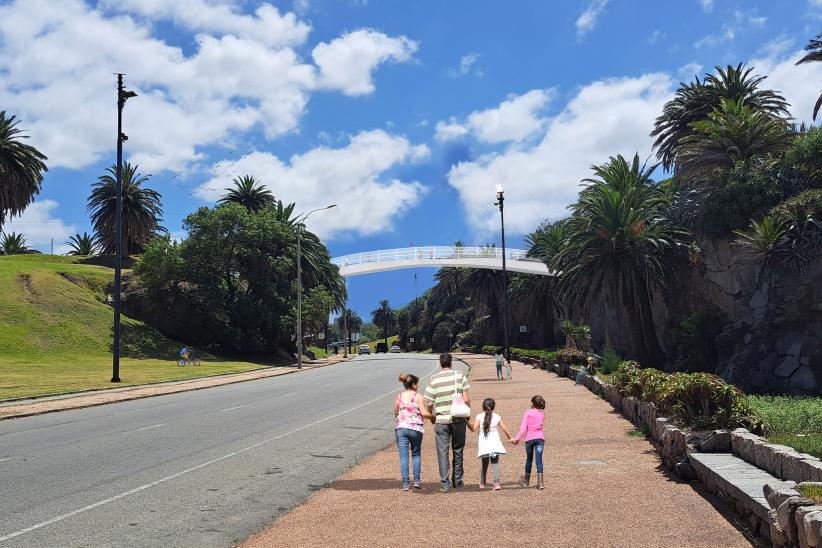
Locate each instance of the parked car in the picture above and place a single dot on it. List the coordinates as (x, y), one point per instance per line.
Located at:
(395, 349)
(365, 349)
(381, 347)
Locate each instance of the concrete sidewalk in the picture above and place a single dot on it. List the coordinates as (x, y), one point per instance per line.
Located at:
(51, 404)
(603, 487)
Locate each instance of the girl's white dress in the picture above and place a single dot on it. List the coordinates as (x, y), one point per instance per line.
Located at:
(490, 445)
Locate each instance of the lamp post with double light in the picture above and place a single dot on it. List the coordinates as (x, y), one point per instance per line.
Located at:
(299, 225)
(500, 201)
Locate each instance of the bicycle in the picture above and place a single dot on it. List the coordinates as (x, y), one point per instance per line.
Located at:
(193, 361)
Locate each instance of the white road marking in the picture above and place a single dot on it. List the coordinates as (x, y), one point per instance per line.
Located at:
(4, 460)
(289, 394)
(232, 408)
(189, 470)
(148, 427)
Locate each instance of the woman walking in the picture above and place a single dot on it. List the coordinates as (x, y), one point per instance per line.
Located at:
(410, 413)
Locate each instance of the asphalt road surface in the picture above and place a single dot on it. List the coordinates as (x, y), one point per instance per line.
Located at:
(202, 468)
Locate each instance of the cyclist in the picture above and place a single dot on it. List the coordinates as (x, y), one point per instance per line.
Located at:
(185, 353)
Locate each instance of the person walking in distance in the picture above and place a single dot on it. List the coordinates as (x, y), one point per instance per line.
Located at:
(498, 358)
(449, 430)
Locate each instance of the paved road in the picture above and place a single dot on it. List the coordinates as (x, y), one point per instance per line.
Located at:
(204, 468)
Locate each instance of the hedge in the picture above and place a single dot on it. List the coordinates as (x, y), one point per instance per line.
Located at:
(548, 355)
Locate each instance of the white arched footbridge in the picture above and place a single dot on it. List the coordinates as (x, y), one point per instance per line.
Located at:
(439, 256)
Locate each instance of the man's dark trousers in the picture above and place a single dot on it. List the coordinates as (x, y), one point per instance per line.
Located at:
(450, 436)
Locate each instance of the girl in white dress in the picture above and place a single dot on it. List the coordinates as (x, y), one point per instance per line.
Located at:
(489, 444)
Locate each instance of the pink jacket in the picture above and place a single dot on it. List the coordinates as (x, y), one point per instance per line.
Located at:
(531, 426)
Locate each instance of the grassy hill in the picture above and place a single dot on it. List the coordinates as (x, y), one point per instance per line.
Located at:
(56, 332)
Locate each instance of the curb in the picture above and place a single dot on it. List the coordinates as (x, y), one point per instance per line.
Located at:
(140, 397)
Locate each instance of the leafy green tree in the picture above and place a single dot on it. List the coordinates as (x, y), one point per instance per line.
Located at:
(85, 244)
(732, 134)
(13, 244)
(142, 212)
(21, 169)
(814, 55)
(317, 304)
(619, 244)
(249, 193)
(385, 317)
(353, 322)
(694, 101)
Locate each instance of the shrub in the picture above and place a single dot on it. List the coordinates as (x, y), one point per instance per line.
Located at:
(610, 359)
(571, 356)
(699, 400)
(535, 353)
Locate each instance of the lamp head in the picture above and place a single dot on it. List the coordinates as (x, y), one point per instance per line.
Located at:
(500, 190)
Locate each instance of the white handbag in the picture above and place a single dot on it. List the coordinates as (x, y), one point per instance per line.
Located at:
(459, 409)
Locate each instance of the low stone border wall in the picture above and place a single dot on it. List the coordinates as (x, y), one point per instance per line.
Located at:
(780, 460)
(795, 520)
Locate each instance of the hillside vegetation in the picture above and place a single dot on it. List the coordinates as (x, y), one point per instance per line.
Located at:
(56, 332)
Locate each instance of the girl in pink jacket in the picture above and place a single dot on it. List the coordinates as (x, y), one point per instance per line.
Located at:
(531, 429)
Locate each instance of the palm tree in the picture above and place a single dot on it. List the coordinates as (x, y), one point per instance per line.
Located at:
(814, 49)
(82, 245)
(142, 213)
(354, 322)
(249, 193)
(13, 244)
(385, 317)
(732, 133)
(21, 169)
(693, 102)
(620, 243)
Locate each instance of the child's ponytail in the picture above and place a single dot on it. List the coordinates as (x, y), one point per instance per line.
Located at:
(488, 405)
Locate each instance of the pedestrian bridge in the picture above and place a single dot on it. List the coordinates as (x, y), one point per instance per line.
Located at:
(439, 256)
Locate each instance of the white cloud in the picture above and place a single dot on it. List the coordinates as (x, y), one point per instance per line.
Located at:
(587, 20)
(39, 227)
(57, 60)
(605, 117)
(467, 62)
(449, 131)
(707, 5)
(740, 21)
(687, 72)
(515, 119)
(656, 36)
(266, 26)
(346, 63)
(353, 177)
(801, 85)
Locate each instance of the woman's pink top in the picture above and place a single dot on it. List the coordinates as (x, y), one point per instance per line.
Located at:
(531, 426)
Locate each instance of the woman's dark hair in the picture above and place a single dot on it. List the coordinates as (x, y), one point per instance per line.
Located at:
(488, 405)
(408, 380)
(538, 402)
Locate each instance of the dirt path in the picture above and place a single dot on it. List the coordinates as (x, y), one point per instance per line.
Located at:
(627, 501)
(51, 404)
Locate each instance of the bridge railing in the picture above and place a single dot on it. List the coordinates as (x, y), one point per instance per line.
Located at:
(431, 253)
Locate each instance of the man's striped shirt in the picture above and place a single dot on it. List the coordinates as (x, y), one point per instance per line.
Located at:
(440, 389)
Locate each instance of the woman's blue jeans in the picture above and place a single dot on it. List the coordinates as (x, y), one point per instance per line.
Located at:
(533, 447)
(407, 438)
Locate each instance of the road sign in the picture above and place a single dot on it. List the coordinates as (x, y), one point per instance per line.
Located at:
(320, 335)
(411, 339)
(523, 329)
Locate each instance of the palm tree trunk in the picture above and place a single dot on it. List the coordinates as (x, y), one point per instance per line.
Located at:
(652, 347)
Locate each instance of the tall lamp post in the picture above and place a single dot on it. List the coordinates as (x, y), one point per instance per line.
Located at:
(500, 201)
(122, 97)
(300, 225)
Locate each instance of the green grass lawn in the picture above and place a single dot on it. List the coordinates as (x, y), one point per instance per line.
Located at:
(56, 333)
(792, 421)
(813, 492)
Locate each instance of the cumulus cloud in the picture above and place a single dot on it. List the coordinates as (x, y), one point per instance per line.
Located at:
(707, 5)
(515, 119)
(353, 176)
(800, 84)
(39, 227)
(741, 20)
(587, 20)
(467, 63)
(244, 71)
(688, 71)
(346, 63)
(604, 118)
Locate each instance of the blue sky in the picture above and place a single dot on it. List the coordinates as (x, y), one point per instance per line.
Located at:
(406, 114)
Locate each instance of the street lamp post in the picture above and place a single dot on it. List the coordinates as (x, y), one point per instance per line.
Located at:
(500, 201)
(299, 225)
(122, 97)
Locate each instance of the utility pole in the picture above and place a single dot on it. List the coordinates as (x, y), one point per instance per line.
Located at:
(417, 310)
(500, 201)
(122, 97)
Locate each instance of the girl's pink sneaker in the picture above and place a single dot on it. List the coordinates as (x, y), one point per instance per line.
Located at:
(497, 487)
(482, 485)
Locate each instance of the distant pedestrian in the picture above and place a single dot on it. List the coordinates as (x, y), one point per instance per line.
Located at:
(489, 444)
(409, 410)
(508, 369)
(499, 359)
(440, 393)
(531, 429)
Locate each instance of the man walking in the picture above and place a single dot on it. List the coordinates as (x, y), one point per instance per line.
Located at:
(450, 431)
